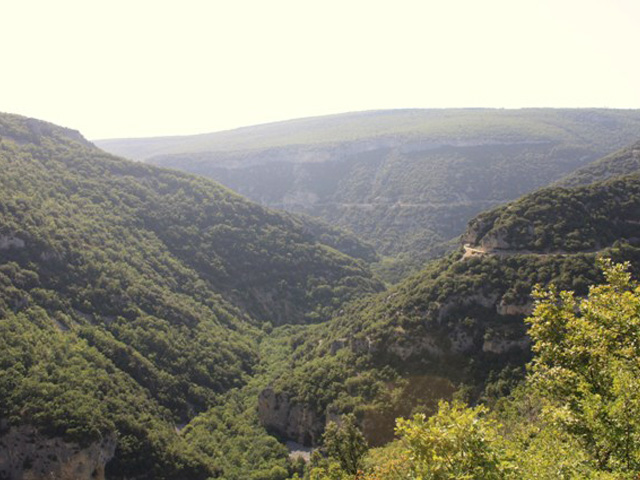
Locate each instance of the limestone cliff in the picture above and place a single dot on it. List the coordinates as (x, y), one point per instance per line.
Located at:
(27, 454)
(288, 419)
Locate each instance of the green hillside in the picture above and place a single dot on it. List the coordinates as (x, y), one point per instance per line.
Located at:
(458, 324)
(132, 298)
(574, 415)
(406, 181)
(560, 219)
(162, 325)
(622, 162)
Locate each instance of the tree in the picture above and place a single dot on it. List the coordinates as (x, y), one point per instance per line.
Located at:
(458, 442)
(587, 364)
(345, 443)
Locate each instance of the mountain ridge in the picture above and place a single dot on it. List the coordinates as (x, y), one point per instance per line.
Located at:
(157, 325)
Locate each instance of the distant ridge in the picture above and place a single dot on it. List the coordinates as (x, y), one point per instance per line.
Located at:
(352, 126)
(406, 181)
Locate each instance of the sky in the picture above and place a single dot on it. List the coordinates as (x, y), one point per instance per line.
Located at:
(150, 68)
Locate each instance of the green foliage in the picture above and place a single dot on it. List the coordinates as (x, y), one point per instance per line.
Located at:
(338, 238)
(587, 364)
(372, 359)
(564, 220)
(455, 443)
(345, 443)
(575, 417)
(230, 436)
(135, 300)
(622, 162)
(409, 331)
(539, 446)
(325, 469)
(131, 298)
(57, 382)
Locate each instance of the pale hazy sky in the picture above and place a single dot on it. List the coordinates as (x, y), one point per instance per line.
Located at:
(140, 68)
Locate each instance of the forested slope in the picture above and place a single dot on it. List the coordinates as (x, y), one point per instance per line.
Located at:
(621, 162)
(560, 219)
(404, 180)
(158, 323)
(131, 297)
(458, 324)
(575, 414)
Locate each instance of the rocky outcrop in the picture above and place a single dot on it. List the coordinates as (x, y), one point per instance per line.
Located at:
(454, 303)
(524, 309)
(483, 235)
(290, 420)
(437, 342)
(476, 229)
(10, 241)
(26, 454)
(406, 346)
(495, 240)
(504, 341)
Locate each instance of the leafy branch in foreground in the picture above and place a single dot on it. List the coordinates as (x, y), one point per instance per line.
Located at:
(456, 443)
(587, 363)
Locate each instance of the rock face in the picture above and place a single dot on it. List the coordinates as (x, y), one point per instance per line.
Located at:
(496, 241)
(290, 420)
(504, 345)
(523, 309)
(9, 241)
(25, 454)
(480, 234)
(406, 346)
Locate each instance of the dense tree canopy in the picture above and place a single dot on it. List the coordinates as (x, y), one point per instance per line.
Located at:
(133, 298)
(156, 307)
